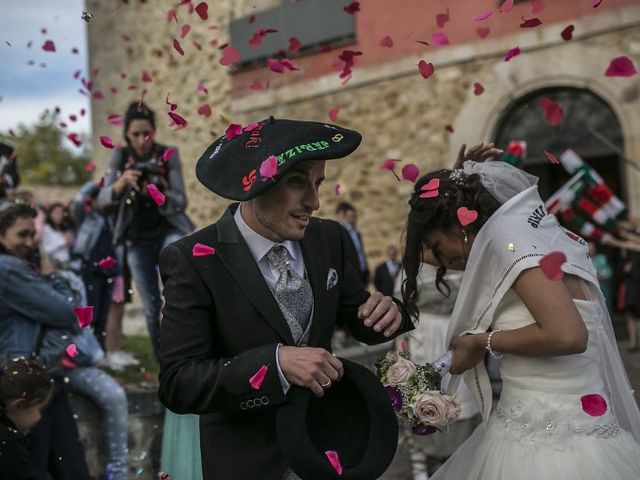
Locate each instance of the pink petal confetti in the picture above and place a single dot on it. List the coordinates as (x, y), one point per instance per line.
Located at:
(98, 95)
(531, 23)
(172, 105)
(146, 76)
(257, 378)
(478, 89)
(178, 119)
(386, 42)
(74, 139)
(594, 404)
(410, 172)
(483, 16)
(84, 315)
(483, 31)
(442, 18)
(107, 263)
(333, 114)
(229, 56)
(514, 52)
(82, 112)
(204, 110)
(334, 460)
(336, 189)
(202, 88)
(172, 15)
(250, 127)
(567, 33)
(506, 6)
(269, 168)
(197, 45)
(184, 31)
(89, 167)
(75, 51)
(202, 250)
(621, 67)
(449, 128)
(73, 118)
(49, 46)
(233, 130)
(202, 9)
(178, 47)
(551, 157)
(256, 85)
(352, 8)
(106, 141)
(466, 216)
(439, 38)
(76, 74)
(167, 154)
(537, 6)
(389, 164)
(71, 350)
(596, 3)
(294, 44)
(430, 188)
(157, 196)
(553, 112)
(551, 265)
(425, 69)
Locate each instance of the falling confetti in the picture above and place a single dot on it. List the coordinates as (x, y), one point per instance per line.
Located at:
(86, 16)
(202, 250)
(466, 216)
(621, 67)
(157, 196)
(269, 168)
(551, 265)
(425, 69)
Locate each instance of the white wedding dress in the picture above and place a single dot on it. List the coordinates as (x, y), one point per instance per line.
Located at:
(539, 429)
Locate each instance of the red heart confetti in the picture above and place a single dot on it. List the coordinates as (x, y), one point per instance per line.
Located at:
(596, 3)
(202, 250)
(167, 154)
(594, 404)
(49, 46)
(352, 8)
(506, 6)
(269, 167)
(157, 196)
(567, 33)
(334, 460)
(294, 44)
(410, 172)
(621, 67)
(74, 139)
(425, 69)
(172, 15)
(430, 189)
(71, 350)
(204, 110)
(84, 315)
(514, 52)
(483, 16)
(184, 30)
(333, 114)
(106, 141)
(537, 6)
(442, 18)
(229, 55)
(178, 47)
(551, 265)
(466, 216)
(233, 130)
(107, 263)
(483, 31)
(531, 23)
(257, 378)
(179, 120)
(202, 9)
(551, 157)
(552, 111)
(386, 42)
(478, 89)
(439, 38)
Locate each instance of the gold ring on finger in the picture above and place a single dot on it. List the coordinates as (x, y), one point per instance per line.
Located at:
(326, 385)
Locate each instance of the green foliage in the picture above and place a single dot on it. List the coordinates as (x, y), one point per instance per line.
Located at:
(42, 157)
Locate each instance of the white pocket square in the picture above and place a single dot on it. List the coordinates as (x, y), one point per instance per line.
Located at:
(332, 278)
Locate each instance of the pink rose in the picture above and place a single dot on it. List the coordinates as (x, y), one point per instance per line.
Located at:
(453, 409)
(400, 372)
(430, 407)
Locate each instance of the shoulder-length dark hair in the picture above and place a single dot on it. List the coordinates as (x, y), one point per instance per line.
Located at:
(440, 213)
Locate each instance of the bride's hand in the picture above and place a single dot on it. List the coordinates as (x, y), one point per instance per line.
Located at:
(477, 153)
(468, 351)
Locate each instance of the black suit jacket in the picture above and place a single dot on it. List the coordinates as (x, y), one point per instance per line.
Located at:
(383, 280)
(221, 323)
(351, 253)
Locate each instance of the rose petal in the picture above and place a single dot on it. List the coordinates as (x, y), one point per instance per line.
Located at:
(333, 114)
(551, 157)
(621, 67)
(506, 6)
(425, 69)
(386, 42)
(537, 6)
(410, 172)
(482, 16)
(107, 263)
(202, 88)
(439, 38)
(567, 33)
(172, 15)
(514, 52)
(596, 3)
(483, 31)
(478, 89)
(202, 9)
(294, 44)
(531, 23)
(332, 455)
(49, 46)
(352, 8)
(157, 196)
(74, 139)
(184, 30)
(594, 404)
(269, 167)
(178, 47)
(553, 112)
(115, 119)
(89, 167)
(442, 18)
(257, 378)
(106, 141)
(233, 130)
(178, 119)
(202, 250)
(71, 350)
(551, 265)
(146, 77)
(84, 315)
(204, 110)
(466, 216)
(275, 65)
(167, 154)
(229, 56)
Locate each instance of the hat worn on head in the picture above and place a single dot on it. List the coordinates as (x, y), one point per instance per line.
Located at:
(231, 168)
(354, 418)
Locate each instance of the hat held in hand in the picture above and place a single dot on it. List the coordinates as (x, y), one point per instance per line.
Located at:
(231, 168)
(354, 419)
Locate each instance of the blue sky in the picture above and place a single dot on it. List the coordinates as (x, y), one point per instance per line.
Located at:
(27, 90)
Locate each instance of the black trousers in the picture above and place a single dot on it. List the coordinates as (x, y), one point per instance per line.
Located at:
(99, 291)
(55, 443)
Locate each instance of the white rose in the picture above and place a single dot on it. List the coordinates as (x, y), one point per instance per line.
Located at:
(400, 372)
(430, 408)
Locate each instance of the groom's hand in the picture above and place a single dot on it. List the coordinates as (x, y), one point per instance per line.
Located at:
(381, 313)
(313, 368)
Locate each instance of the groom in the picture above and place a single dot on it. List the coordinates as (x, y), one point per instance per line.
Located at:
(252, 300)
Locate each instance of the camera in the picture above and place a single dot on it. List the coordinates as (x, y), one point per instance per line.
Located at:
(152, 171)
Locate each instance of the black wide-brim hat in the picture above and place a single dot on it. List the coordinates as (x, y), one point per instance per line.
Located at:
(354, 418)
(231, 168)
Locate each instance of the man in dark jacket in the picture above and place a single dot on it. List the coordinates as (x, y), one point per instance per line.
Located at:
(252, 300)
(348, 218)
(385, 275)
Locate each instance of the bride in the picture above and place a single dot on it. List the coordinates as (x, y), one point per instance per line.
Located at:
(566, 410)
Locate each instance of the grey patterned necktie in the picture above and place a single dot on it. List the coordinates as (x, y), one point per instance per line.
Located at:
(292, 291)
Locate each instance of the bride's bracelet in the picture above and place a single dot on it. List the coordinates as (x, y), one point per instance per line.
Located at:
(495, 355)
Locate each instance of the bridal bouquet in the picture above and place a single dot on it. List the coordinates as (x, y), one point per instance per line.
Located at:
(415, 394)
